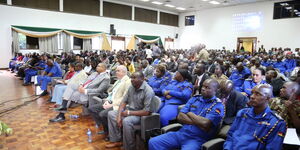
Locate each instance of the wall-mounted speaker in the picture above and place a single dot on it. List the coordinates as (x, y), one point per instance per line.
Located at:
(176, 35)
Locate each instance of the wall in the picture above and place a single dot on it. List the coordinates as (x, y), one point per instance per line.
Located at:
(11, 15)
(214, 27)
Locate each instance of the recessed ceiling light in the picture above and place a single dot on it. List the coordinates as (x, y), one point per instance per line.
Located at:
(168, 5)
(288, 8)
(214, 2)
(157, 3)
(180, 8)
(145, 0)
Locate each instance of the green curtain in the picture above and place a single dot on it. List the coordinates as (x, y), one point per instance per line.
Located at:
(36, 31)
(149, 39)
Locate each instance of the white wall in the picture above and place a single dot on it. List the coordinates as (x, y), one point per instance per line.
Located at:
(40, 18)
(214, 28)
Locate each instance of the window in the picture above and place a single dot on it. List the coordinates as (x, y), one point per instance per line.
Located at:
(168, 19)
(288, 9)
(117, 10)
(77, 43)
(27, 42)
(89, 7)
(189, 20)
(39, 4)
(32, 42)
(3, 2)
(145, 15)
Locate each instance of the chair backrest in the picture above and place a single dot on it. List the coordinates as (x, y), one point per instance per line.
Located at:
(155, 104)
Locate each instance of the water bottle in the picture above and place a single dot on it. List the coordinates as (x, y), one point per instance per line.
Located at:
(74, 117)
(89, 134)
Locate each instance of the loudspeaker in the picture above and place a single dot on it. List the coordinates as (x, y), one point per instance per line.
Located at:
(176, 35)
(111, 31)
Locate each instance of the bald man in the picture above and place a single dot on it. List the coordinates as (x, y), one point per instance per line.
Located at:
(201, 118)
(257, 127)
(233, 100)
(287, 105)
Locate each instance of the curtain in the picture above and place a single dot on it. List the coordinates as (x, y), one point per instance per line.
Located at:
(105, 43)
(48, 44)
(66, 42)
(15, 42)
(87, 44)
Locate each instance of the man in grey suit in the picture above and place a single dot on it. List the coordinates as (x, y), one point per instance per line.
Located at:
(97, 83)
(147, 69)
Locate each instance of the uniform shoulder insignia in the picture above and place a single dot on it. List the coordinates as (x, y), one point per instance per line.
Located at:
(276, 115)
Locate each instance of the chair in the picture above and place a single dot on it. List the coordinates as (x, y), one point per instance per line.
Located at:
(213, 144)
(148, 123)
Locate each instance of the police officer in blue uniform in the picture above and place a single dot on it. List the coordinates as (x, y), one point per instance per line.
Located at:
(257, 127)
(177, 92)
(239, 75)
(266, 62)
(52, 70)
(280, 65)
(201, 118)
(290, 63)
(257, 78)
(159, 80)
(32, 71)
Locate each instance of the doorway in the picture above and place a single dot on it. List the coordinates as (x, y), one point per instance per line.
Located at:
(246, 44)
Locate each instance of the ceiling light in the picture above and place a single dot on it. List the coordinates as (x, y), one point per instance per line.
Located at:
(145, 0)
(204, 0)
(168, 5)
(157, 3)
(295, 10)
(214, 2)
(284, 4)
(288, 8)
(180, 8)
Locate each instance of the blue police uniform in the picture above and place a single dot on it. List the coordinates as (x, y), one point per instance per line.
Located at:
(290, 64)
(44, 80)
(32, 72)
(180, 93)
(248, 85)
(191, 136)
(238, 78)
(259, 132)
(158, 84)
(280, 65)
(266, 63)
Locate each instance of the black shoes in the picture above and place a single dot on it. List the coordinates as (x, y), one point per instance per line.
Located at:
(57, 119)
(61, 109)
(44, 93)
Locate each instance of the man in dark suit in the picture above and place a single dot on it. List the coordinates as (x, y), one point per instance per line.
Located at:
(232, 99)
(199, 77)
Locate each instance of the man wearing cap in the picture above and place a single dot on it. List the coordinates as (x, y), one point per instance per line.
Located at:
(176, 93)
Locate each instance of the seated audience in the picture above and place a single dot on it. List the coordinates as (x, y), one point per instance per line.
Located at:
(198, 78)
(99, 111)
(239, 75)
(137, 99)
(201, 118)
(257, 127)
(52, 70)
(275, 81)
(96, 83)
(176, 93)
(257, 78)
(232, 99)
(159, 80)
(218, 74)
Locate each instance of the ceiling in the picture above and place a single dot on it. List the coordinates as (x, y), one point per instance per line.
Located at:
(189, 5)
